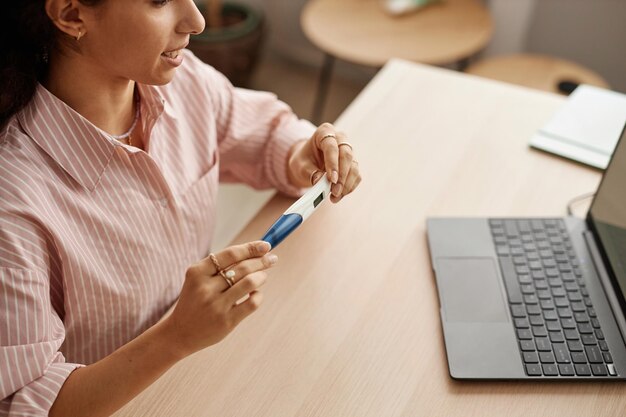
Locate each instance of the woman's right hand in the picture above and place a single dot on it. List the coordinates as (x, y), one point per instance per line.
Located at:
(207, 309)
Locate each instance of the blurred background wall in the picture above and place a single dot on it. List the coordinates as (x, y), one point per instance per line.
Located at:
(590, 32)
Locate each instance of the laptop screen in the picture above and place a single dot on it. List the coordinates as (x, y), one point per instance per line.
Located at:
(607, 218)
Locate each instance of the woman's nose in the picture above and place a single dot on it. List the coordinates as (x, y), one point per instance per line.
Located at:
(193, 21)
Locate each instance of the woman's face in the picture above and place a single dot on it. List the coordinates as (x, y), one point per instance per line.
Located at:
(138, 40)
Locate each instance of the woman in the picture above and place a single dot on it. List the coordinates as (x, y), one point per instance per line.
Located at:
(111, 144)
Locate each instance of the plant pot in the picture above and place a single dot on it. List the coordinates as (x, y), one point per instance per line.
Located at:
(234, 48)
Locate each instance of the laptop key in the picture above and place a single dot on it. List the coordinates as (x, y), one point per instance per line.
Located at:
(575, 345)
(510, 280)
(607, 357)
(603, 345)
(550, 369)
(536, 320)
(533, 309)
(550, 315)
(547, 304)
(560, 353)
(593, 354)
(585, 328)
(530, 357)
(582, 370)
(531, 299)
(566, 369)
(612, 370)
(546, 357)
(522, 323)
(527, 345)
(599, 334)
(579, 357)
(588, 339)
(571, 334)
(543, 345)
(518, 311)
(556, 337)
(544, 295)
(553, 326)
(568, 323)
(561, 302)
(533, 369)
(598, 369)
(539, 331)
(524, 334)
(581, 317)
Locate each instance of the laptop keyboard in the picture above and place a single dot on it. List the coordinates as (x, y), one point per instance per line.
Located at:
(555, 322)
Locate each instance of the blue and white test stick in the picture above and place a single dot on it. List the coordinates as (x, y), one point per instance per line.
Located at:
(297, 213)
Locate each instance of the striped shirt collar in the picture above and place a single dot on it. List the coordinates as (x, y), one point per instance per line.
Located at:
(82, 149)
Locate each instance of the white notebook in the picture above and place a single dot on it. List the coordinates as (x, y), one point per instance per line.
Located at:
(586, 128)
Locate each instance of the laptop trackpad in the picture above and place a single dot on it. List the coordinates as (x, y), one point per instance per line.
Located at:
(471, 290)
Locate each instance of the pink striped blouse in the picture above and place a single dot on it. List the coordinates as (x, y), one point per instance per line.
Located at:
(96, 236)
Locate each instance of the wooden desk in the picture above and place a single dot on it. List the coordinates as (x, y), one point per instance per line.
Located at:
(350, 323)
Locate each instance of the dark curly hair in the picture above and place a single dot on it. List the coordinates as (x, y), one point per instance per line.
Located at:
(27, 35)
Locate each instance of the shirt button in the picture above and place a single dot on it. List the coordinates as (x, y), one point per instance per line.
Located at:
(163, 202)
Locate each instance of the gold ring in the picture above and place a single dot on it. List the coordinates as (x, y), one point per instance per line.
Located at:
(216, 264)
(228, 277)
(329, 135)
(346, 144)
(314, 173)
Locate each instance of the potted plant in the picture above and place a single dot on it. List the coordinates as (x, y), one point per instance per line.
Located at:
(231, 40)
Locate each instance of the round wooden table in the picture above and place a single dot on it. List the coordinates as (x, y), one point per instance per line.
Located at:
(361, 32)
(541, 72)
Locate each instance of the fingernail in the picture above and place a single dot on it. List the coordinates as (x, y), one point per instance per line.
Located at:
(337, 190)
(334, 177)
(272, 259)
(264, 246)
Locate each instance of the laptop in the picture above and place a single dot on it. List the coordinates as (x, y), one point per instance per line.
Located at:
(535, 298)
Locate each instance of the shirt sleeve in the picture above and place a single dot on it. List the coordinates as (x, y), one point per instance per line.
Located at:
(32, 370)
(255, 132)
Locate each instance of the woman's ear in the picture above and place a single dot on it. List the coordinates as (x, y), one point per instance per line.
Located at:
(66, 16)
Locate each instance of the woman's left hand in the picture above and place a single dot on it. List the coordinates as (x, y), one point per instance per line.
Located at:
(326, 152)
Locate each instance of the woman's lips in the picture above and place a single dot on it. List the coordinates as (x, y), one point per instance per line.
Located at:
(174, 58)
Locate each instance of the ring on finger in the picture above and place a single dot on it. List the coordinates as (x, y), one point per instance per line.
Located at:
(329, 135)
(216, 264)
(313, 174)
(345, 144)
(228, 277)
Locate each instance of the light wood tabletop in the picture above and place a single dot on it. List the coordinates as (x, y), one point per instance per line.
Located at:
(350, 322)
(361, 32)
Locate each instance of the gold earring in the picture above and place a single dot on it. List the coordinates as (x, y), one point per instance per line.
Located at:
(80, 35)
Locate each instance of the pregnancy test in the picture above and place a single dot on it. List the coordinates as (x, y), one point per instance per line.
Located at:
(299, 211)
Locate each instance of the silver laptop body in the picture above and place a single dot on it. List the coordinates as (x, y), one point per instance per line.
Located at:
(536, 298)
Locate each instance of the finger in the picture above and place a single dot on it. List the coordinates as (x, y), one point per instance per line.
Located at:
(245, 286)
(250, 266)
(235, 254)
(326, 141)
(353, 181)
(345, 163)
(316, 176)
(247, 307)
